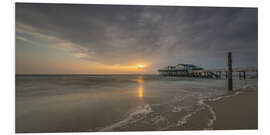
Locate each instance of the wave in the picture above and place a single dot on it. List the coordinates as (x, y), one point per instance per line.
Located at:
(133, 117)
(212, 112)
(210, 108)
(157, 120)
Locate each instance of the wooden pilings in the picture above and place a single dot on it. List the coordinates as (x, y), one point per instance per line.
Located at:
(230, 82)
(218, 75)
(240, 75)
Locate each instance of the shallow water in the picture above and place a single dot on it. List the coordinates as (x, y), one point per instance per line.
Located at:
(111, 102)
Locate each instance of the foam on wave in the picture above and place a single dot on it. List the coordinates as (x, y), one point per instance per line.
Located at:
(133, 117)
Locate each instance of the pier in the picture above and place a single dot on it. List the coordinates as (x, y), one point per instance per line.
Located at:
(190, 70)
(219, 73)
(210, 73)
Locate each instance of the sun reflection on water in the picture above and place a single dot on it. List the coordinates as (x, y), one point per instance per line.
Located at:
(140, 88)
(140, 80)
(140, 91)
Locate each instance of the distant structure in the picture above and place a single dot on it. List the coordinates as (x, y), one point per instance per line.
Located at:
(190, 70)
(179, 70)
(198, 72)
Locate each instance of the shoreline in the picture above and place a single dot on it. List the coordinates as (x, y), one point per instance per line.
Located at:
(235, 111)
(173, 113)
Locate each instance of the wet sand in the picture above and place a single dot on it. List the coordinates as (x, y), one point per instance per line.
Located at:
(233, 112)
(237, 112)
(131, 103)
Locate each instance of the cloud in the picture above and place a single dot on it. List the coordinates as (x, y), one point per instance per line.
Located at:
(111, 34)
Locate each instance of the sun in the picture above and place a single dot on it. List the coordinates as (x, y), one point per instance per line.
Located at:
(140, 66)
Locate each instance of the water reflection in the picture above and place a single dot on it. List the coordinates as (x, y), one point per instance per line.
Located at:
(140, 80)
(140, 88)
(140, 91)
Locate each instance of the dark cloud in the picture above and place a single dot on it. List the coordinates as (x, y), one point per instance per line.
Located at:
(113, 34)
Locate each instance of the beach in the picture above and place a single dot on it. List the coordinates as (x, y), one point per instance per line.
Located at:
(239, 111)
(234, 111)
(94, 103)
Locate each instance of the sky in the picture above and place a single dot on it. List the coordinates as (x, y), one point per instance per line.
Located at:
(122, 39)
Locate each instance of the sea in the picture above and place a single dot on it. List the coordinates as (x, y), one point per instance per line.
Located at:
(92, 103)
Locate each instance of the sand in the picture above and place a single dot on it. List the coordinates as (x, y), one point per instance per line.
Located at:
(237, 112)
(72, 104)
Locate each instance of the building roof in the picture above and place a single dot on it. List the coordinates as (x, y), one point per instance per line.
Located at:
(186, 67)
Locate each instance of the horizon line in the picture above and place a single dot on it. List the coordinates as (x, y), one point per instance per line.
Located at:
(86, 74)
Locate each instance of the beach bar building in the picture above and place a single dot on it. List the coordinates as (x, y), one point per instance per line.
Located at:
(179, 70)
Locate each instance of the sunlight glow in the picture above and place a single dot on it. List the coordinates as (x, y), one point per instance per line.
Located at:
(140, 91)
(140, 66)
(140, 88)
(140, 80)
(82, 66)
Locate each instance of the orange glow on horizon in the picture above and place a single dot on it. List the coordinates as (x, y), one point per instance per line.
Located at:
(102, 68)
(82, 66)
(140, 66)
